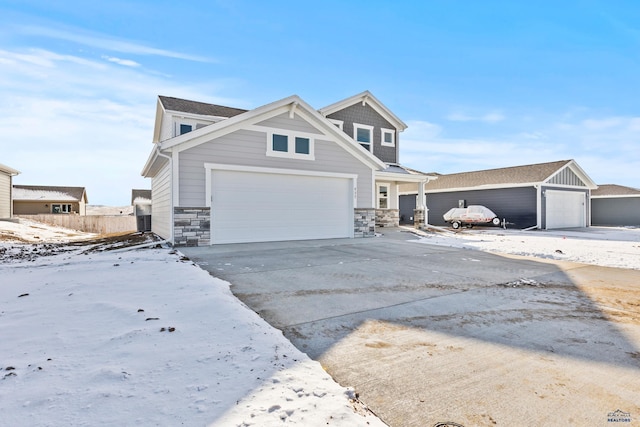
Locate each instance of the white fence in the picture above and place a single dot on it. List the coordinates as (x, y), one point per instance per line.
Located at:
(99, 224)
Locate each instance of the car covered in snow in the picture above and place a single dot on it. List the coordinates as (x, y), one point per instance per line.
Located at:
(470, 216)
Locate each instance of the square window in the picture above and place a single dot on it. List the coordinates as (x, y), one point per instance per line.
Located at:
(302, 145)
(388, 137)
(185, 129)
(280, 143)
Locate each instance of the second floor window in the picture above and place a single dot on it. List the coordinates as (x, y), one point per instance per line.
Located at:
(290, 145)
(185, 129)
(363, 134)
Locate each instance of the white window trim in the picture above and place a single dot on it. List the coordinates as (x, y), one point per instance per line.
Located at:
(339, 123)
(383, 184)
(62, 207)
(291, 145)
(393, 137)
(357, 126)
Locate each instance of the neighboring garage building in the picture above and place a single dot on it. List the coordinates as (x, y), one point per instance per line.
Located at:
(545, 195)
(615, 205)
(6, 191)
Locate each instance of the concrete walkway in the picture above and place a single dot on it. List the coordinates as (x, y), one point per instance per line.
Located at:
(428, 334)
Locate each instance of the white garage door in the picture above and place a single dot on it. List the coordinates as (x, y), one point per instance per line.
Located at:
(565, 209)
(249, 206)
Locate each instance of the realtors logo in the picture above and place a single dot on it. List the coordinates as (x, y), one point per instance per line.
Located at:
(618, 416)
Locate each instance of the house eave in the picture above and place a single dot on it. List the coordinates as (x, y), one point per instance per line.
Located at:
(292, 105)
(368, 98)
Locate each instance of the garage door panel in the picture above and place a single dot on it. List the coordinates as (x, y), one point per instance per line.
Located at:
(565, 209)
(259, 207)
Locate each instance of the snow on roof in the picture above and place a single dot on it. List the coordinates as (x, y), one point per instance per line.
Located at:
(43, 193)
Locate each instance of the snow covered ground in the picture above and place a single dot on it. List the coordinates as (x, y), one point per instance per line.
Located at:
(102, 334)
(605, 246)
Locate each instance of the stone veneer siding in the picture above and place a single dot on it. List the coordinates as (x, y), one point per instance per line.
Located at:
(192, 226)
(364, 222)
(387, 217)
(419, 218)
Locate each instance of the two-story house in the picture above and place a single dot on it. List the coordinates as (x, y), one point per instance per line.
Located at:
(282, 171)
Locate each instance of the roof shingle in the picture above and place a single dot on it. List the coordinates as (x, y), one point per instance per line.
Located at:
(511, 175)
(200, 108)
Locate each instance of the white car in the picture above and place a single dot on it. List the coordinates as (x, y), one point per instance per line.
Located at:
(471, 215)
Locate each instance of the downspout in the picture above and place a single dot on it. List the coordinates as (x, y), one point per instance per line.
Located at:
(171, 222)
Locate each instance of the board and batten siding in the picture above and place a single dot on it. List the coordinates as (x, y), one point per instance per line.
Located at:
(161, 202)
(517, 205)
(5, 196)
(249, 148)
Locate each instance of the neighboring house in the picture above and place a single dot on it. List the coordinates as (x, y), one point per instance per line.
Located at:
(6, 193)
(283, 171)
(615, 205)
(141, 202)
(40, 199)
(545, 195)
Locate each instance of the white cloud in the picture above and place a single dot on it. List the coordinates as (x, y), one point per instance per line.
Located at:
(125, 62)
(67, 120)
(605, 147)
(105, 42)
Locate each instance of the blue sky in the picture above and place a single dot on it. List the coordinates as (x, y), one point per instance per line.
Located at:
(481, 84)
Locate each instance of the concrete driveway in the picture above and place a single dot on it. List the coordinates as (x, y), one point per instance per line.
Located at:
(427, 334)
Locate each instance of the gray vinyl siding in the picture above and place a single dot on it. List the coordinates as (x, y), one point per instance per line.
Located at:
(517, 205)
(5, 196)
(161, 203)
(619, 211)
(249, 148)
(365, 115)
(284, 122)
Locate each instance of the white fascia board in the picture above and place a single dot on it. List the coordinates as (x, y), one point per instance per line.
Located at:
(571, 164)
(158, 123)
(224, 127)
(248, 120)
(205, 117)
(367, 97)
(321, 123)
(481, 187)
(152, 158)
(583, 175)
(399, 177)
(9, 171)
(619, 196)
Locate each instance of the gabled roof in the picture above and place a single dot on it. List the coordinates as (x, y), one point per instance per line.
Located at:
(365, 98)
(7, 170)
(613, 190)
(195, 109)
(49, 193)
(535, 174)
(292, 105)
(200, 108)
